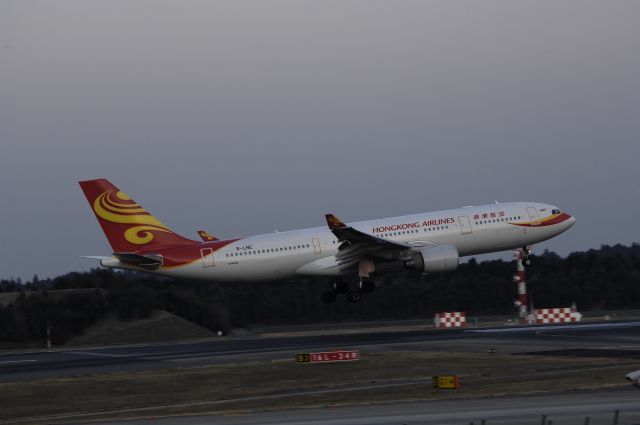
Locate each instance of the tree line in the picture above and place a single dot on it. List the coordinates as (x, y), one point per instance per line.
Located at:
(607, 278)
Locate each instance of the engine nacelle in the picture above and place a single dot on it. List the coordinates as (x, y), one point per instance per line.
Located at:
(434, 259)
(634, 377)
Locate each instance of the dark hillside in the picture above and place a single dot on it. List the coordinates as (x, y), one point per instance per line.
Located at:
(608, 278)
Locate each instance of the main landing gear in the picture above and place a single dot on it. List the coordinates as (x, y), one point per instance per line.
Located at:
(353, 295)
(366, 284)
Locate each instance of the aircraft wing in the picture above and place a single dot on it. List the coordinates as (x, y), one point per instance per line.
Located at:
(348, 234)
(357, 244)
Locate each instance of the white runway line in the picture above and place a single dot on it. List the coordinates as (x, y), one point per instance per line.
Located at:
(91, 353)
(98, 354)
(16, 361)
(559, 327)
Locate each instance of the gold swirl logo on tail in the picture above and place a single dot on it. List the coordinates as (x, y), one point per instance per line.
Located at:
(117, 211)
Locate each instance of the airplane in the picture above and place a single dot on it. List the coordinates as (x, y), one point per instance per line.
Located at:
(351, 254)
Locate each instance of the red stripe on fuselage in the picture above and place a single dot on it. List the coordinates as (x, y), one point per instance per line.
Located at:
(183, 255)
(546, 222)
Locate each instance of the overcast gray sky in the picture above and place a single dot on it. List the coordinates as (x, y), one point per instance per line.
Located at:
(241, 117)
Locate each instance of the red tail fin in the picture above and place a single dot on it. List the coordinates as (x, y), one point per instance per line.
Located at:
(128, 226)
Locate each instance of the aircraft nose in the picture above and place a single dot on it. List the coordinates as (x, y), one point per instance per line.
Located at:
(570, 221)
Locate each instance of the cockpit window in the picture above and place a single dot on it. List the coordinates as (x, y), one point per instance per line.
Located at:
(556, 211)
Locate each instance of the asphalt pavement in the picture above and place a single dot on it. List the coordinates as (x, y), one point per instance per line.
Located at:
(72, 362)
(561, 409)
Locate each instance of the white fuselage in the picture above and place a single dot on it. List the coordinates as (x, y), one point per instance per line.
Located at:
(311, 252)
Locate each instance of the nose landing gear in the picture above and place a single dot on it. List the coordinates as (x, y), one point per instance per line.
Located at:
(526, 256)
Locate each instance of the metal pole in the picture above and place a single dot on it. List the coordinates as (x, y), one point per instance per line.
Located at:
(520, 279)
(48, 335)
(586, 420)
(616, 416)
(543, 420)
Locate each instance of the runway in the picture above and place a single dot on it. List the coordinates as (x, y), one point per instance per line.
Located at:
(73, 362)
(565, 409)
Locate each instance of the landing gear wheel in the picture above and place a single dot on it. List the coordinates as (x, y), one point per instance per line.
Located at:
(339, 287)
(367, 285)
(354, 296)
(328, 297)
(526, 261)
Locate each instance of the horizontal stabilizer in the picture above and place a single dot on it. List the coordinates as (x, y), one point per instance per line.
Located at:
(97, 257)
(147, 262)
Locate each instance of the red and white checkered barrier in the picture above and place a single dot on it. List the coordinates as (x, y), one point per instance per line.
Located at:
(453, 319)
(557, 315)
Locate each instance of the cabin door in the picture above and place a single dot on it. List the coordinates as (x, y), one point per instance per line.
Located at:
(207, 257)
(465, 224)
(533, 215)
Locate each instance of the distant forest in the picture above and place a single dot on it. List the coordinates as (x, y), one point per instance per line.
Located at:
(607, 278)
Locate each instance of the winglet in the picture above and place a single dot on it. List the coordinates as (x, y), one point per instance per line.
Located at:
(206, 237)
(334, 222)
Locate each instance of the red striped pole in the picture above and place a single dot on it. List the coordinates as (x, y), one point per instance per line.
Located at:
(520, 279)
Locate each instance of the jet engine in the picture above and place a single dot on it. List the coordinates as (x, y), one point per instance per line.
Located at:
(434, 259)
(634, 377)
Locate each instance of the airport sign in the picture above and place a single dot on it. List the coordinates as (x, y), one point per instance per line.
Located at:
(446, 381)
(328, 356)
